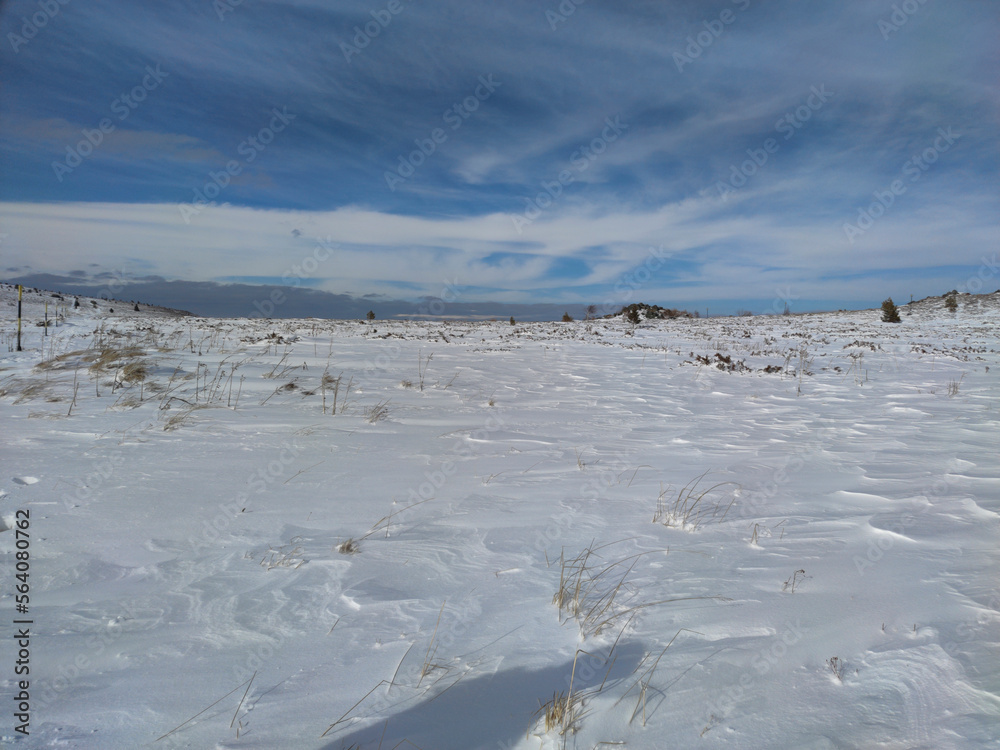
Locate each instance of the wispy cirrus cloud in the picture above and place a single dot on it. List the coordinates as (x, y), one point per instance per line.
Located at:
(354, 119)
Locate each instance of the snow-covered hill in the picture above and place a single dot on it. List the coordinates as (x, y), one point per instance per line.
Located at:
(769, 532)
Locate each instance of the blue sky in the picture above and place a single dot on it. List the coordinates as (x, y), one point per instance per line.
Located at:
(734, 153)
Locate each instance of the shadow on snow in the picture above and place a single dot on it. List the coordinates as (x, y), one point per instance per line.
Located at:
(488, 712)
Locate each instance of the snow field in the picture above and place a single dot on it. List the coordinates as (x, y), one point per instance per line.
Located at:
(838, 590)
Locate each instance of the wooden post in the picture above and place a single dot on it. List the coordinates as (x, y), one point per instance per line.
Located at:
(19, 288)
(46, 318)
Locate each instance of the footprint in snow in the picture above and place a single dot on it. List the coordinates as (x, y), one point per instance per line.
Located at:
(25, 480)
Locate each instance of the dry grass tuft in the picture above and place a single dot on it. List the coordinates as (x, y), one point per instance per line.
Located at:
(597, 594)
(110, 358)
(953, 386)
(793, 580)
(348, 547)
(134, 372)
(178, 418)
(386, 521)
(690, 508)
(28, 392)
(69, 360)
(377, 412)
(286, 556)
(642, 683)
(328, 382)
(836, 666)
(429, 665)
(562, 714)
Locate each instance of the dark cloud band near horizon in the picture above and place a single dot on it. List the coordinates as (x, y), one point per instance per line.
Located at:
(765, 146)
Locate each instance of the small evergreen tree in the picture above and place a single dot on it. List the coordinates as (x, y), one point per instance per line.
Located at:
(632, 316)
(951, 303)
(890, 313)
(512, 320)
(567, 318)
(370, 316)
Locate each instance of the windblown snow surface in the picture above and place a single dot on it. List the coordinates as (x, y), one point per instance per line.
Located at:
(767, 532)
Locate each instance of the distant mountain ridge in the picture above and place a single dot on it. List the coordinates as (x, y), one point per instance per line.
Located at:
(215, 300)
(211, 299)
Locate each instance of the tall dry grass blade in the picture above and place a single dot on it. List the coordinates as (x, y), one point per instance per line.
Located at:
(200, 712)
(346, 713)
(243, 699)
(427, 657)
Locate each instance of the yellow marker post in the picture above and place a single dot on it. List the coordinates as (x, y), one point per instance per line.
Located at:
(19, 288)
